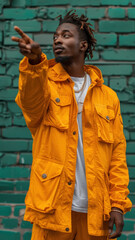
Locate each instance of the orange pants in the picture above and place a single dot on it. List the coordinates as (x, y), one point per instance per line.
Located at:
(79, 231)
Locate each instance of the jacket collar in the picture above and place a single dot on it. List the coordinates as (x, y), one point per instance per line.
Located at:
(59, 74)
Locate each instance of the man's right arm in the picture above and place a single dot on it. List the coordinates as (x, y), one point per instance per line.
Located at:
(33, 96)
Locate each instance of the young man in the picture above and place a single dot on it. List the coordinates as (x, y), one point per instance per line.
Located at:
(79, 177)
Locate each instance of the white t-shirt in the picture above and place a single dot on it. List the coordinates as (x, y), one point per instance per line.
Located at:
(80, 198)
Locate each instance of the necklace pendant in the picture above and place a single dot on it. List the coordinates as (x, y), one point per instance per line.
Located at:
(80, 107)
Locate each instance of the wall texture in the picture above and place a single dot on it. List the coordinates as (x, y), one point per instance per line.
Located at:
(114, 55)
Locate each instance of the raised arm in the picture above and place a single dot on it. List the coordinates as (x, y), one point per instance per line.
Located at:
(33, 96)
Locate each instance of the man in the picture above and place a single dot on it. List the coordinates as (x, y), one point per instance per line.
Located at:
(79, 177)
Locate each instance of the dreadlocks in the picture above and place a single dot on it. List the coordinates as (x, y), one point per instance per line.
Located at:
(85, 31)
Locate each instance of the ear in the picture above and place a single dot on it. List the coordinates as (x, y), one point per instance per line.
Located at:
(83, 46)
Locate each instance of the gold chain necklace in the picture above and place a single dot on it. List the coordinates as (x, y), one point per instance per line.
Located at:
(82, 85)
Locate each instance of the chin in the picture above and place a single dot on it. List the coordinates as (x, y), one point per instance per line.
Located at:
(63, 59)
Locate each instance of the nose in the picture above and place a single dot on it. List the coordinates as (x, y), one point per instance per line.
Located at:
(58, 40)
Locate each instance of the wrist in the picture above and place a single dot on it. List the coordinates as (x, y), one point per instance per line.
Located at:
(35, 61)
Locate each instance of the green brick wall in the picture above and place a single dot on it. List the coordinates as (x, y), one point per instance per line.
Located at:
(115, 55)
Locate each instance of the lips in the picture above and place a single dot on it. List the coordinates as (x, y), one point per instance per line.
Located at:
(58, 49)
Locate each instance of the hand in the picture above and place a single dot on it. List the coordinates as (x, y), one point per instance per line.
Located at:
(117, 219)
(28, 47)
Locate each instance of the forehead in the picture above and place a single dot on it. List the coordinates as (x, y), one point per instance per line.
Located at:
(67, 27)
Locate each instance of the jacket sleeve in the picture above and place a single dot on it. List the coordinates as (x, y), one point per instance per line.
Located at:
(34, 94)
(118, 172)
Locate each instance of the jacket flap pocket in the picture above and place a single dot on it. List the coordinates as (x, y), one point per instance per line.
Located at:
(47, 170)
(104, 112)
(62, 100)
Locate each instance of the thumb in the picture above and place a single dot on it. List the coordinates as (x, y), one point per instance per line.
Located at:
(111, 223)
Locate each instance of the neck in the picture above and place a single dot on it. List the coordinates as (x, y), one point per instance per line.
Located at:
(74, 69)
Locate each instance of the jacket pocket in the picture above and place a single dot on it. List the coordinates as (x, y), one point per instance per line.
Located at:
(44, 186)
(58, 112)
(104, 121)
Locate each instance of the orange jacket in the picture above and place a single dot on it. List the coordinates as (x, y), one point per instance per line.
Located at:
(47, 99)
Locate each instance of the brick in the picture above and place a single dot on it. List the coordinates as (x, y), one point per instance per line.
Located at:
(131, 82)
(22, 185)
(17, 210)
(5, 211)
(26, 224)
(50, 25)
(86, 3)
(118, 83)
(10, 223)
(26, 158)
(126, 133)
(13, 107)
(18, 13)
(132, 135)
(116, 12)
(13, 145)
(132, 198)
(2, 69)
(19, 120)
(52, 13)
(131, 236)
(13, 70)
(125, 96)
(8, 159)
(12, 198)
(78, 11)
(131, 214)
(6, 185)
(119, 54)
(11, 55)
(16, 132)
(28, 26)
(14, 172)
(130, 147)
(49, 52)
(106, 81)
(5, 120)
(8, 94)
(5, 81)
(27, 236)
(116, 69)
(116, 26)
(95, 13)
(127, 108)
(44, 38)
(35, 3)
(131, 160)
(127, 40)
(108, 39)
(12, 235)
(115, 2)
(0, 37)
(30, 146)
(131, 13)
(133, 2)
(123, 237)
(132, 187)
(42, 12)
(18, 3)
(131, 171)
(129, 120)
(15, 82)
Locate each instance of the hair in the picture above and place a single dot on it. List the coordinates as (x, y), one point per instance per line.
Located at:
(84, 29)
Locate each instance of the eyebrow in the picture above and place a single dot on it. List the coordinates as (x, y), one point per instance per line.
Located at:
(65, 30)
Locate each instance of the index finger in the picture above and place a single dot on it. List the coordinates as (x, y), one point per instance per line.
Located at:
(20, 32)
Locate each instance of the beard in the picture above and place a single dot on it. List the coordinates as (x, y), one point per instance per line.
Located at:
(63, 59)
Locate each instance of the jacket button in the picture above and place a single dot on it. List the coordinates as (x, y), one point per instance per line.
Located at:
(57, 100)
(69, 183)
(74, 132)
(67, 229)
(107, 117)
(44, 175)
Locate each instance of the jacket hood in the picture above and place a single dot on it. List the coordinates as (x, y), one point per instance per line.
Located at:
(59, 74)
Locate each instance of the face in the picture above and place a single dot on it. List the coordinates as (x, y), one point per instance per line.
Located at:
(66, 43)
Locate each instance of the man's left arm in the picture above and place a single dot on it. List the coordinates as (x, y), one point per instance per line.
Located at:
(118, 176)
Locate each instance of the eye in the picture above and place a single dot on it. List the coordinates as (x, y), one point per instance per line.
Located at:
(55, 37)
(66, 35)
